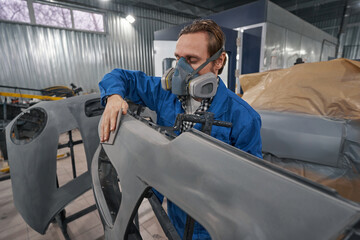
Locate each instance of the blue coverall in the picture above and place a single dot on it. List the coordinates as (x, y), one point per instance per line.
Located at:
(226, 106)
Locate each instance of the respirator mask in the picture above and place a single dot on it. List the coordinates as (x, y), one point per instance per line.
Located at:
(183, 80)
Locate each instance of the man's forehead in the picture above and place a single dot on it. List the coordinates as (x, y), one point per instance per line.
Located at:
(193, 39)
(192, 45)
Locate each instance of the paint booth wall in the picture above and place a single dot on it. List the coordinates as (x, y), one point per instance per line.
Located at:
(284, 46)
(288, 37)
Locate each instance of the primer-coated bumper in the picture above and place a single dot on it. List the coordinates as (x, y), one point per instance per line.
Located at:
(33, 163)
(232, 194)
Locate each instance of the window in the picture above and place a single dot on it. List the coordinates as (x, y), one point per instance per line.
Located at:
(51, 15)
(88, 21)
(14, 10)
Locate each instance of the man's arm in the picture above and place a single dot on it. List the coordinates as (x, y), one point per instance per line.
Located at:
(120, 84)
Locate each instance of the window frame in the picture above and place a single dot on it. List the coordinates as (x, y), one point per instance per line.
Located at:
(66, 6)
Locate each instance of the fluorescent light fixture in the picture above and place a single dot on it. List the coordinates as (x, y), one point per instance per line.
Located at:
(130, 19)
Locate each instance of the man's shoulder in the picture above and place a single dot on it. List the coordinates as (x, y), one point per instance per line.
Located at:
(129, 72)
(237, 104)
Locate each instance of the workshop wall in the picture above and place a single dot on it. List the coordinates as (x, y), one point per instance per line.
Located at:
(352, 38)
(352, 34)
(39, 57)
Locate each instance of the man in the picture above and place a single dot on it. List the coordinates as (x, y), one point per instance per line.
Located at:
(192, 86)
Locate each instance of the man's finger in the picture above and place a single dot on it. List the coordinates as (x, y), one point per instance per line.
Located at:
(106, 132)
(104, 128)
(113, 119)
(125, 107)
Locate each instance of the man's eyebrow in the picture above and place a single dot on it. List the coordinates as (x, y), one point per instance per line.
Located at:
(187, 56)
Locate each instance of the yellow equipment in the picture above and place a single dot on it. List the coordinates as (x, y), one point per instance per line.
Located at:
(19, 95)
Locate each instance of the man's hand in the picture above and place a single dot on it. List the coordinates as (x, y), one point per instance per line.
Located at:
(114, 104)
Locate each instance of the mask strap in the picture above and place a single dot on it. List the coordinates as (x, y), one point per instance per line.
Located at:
(212, 58)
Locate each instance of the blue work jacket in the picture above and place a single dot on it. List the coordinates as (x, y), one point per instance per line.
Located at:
(226, 106)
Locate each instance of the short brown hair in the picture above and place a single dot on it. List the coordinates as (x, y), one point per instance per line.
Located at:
(216, 35)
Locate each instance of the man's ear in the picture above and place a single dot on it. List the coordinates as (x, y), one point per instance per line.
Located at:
(220, 61)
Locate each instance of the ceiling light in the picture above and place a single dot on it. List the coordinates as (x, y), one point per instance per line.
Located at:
(130, 19)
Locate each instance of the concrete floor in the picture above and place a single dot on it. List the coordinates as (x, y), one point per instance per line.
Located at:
(12, 225)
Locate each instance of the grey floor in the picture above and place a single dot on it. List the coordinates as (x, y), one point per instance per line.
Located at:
(89, 227)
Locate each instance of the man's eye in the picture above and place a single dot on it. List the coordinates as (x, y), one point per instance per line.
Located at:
(191, 60)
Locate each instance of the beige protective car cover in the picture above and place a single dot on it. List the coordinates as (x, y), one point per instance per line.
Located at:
(330, 89)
